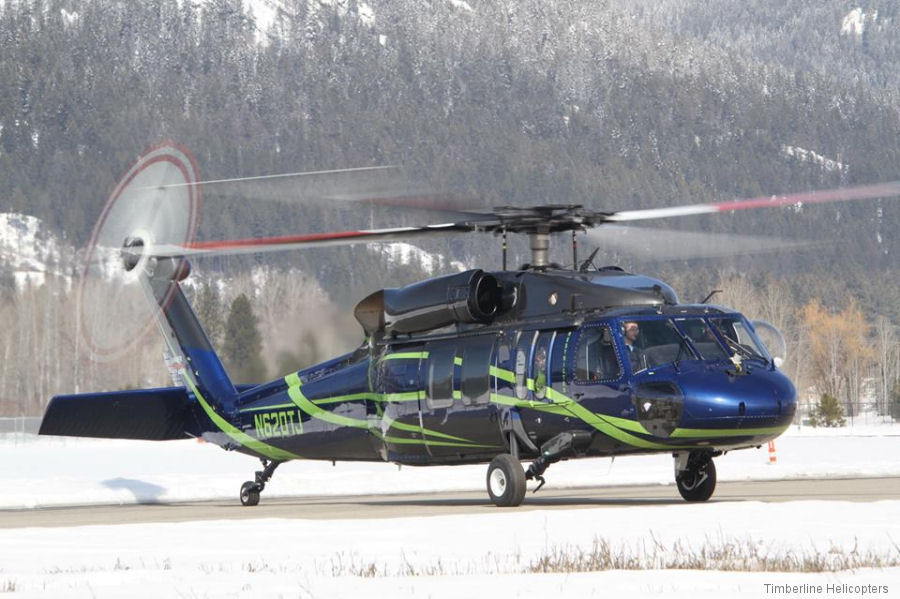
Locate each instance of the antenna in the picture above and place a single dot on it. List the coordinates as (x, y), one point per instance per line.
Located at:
(574, 251)
(711, 293)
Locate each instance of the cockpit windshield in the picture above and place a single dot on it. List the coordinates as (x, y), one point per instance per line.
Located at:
(740, 337)
(650, 343)
(701, 337)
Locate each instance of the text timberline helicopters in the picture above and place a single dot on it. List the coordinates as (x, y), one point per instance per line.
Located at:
(473, 367)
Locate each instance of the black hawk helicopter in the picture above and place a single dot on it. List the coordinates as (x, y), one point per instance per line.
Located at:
(539, 364)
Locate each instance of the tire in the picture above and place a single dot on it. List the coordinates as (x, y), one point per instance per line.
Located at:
(249, 494)
(698, 482)
(506, 481)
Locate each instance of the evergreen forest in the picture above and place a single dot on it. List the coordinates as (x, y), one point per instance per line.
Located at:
(613, 104)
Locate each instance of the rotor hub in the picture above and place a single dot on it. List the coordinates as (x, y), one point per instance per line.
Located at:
(131, 253)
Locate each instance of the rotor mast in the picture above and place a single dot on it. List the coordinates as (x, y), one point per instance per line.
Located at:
(540, 248)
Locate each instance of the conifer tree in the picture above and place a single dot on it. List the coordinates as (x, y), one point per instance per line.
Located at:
(828, 412)
(209, 312)
(242, 350)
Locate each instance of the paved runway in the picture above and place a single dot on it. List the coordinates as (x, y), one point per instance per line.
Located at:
(433, 504)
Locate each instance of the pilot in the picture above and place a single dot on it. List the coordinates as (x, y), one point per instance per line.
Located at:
(631, 333)
(632, 330)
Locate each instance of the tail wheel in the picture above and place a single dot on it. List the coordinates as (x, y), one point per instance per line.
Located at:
(698, 482)
(249, 494)
(506, 481)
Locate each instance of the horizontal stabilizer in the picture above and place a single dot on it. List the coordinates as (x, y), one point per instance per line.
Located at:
(149, 414)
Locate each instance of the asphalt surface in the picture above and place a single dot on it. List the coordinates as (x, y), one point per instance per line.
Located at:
(434, 504)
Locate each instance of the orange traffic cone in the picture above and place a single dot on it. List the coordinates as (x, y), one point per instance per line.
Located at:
(773, 459)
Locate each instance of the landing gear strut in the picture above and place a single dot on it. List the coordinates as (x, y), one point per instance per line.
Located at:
(250, 490)
(695, 475)
(568, 444)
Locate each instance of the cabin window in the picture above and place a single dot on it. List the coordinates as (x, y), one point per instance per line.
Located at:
(540, 366)
(560, 373)
(440, 376)
(523, 351)
(521, 372)
(399, 375)
(476, 369)
(502, 362)
(595, 359)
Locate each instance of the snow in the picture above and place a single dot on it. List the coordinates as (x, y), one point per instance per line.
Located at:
(406, 254)
(438, 556)
(27, 249)
(853, 22)
(461, 5)
(47, 471)
(803, 155)
(446, 556)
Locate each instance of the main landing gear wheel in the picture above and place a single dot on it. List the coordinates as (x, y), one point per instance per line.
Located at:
(506, 481)
(698, 482)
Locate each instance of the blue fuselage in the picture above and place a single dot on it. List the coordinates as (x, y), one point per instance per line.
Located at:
(461, 397)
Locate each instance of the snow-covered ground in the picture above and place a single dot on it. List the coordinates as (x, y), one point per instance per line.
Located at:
(481, 555)
(654, 548)
(41, 471)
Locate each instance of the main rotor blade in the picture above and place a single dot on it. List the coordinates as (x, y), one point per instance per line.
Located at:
(864, 192)
(654, 245)
(385, 186)
(276, 177)
(312, 240)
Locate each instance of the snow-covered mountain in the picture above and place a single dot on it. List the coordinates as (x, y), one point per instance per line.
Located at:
(30, 251)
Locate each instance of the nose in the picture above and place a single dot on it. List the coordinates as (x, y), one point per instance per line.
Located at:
(762, 399)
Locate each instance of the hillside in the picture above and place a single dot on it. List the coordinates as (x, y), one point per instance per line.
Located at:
(614, 105)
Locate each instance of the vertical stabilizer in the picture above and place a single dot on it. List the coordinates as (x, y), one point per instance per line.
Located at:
(202, 370)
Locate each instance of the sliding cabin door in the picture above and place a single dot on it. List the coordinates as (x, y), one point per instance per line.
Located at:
(458, 418)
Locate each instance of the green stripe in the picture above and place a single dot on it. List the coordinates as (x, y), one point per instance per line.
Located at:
(416, 429)
(689, 433)
(503, 375)
(557, 403)
(599, 423)
(626, 424)
(293, 382)
(343, 398)
(236, 434)
(408, 355)
(547, 408)
(405, 396)
(275, 407)
(300, 400)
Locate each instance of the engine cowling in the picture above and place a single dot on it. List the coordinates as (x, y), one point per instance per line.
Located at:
(473, 296)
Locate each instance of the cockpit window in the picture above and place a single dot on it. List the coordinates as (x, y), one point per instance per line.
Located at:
(650, 343)
(595, 360)
(739, 337)
(702, 338)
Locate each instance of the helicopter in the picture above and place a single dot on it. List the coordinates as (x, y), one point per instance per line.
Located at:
(531, 365)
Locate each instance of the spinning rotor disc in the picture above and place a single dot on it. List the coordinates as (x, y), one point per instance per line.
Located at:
(156, 202)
